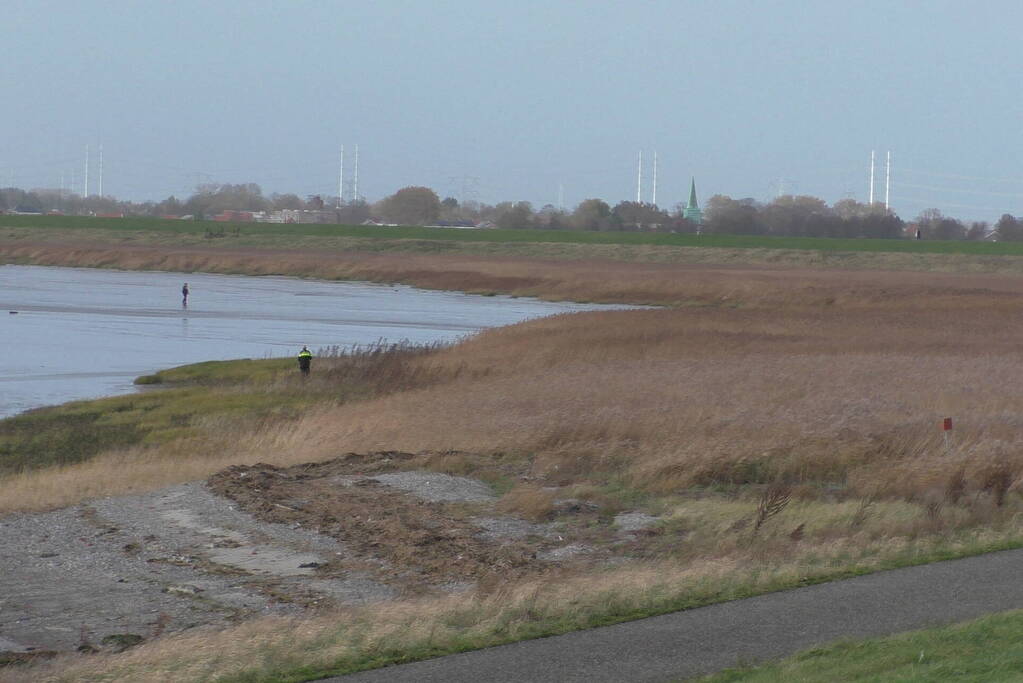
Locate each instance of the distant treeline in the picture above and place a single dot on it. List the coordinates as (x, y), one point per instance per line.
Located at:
(786, 216)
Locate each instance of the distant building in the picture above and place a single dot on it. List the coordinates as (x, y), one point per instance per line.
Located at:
(230, 216)
(692, 212)
(452, 224)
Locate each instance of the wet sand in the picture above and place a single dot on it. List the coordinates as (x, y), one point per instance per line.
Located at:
(83, 333)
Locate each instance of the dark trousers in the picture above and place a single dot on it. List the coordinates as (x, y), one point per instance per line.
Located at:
(303, 365)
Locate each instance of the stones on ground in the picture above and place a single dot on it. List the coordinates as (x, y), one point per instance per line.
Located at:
(104, 567)
(352, 590)
(307, 542)
(500, 528)
(436, 487)
(565, 552)
(634, 521)
(266, 560)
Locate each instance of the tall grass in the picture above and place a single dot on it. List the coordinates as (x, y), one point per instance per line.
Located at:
(793, 436)
(669, 276)
(206, 417)
(697, 397)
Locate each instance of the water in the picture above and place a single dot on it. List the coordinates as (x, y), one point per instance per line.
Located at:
(84, 333)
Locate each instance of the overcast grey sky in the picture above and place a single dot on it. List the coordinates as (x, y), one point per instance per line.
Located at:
(496, 100)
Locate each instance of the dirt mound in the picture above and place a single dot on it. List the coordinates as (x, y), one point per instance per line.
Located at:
(418, 533)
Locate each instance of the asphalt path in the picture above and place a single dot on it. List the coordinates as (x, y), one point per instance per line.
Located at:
(701, 641)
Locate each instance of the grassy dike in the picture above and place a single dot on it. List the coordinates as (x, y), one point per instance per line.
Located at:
(215, 230)
(271, 249)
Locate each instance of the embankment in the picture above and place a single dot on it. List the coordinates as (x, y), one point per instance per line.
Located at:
(643, 274)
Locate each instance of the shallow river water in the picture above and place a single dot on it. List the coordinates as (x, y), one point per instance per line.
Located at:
(73, 333)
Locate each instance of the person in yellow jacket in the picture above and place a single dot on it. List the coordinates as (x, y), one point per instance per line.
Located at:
(305, 359)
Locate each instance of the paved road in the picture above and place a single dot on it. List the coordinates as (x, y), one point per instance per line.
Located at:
(708, 639)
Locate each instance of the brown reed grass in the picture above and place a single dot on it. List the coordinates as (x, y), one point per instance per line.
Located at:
(670, 399)
(827, 386)
(591, 273)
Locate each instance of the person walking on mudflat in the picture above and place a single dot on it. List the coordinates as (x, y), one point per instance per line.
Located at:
(184, 296)
(305, 359)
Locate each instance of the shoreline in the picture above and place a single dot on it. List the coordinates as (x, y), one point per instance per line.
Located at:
(773, 427)
(130, 323)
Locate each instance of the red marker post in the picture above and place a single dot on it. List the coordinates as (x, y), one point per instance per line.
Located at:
(946, 427)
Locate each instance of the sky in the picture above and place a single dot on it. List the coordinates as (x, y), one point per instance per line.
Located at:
(494, 100)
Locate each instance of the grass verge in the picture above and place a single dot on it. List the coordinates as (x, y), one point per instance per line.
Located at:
(986, 649)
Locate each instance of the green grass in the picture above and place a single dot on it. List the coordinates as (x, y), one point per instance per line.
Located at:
(204, 398)
(522, 236)
(222, 372)
(80, 430)
(988, 649)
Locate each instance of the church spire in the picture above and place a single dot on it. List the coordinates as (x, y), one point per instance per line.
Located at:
(692, 212)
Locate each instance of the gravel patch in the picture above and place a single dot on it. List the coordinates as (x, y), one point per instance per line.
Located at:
(634, 521)
(564, 552)
(355, 590)
(436, 487)
(500, 528)
(159, 562)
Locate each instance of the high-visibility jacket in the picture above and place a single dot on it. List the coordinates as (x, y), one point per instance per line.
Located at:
(305, 354)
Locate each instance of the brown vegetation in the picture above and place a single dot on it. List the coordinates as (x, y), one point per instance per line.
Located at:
(674, 276)
(412, 544)
(783, 424)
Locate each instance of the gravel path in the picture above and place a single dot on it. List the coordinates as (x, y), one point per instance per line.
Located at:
(701, 641)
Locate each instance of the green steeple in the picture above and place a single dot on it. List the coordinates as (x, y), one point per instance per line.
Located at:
(692, 212)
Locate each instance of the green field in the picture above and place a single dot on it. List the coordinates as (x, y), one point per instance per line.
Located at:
(988, 649)
(549, 236)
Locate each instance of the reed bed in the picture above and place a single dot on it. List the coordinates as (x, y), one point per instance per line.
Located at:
(672, 276)
(784, 426)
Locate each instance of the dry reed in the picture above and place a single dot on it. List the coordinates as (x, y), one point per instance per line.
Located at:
(826, 388)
